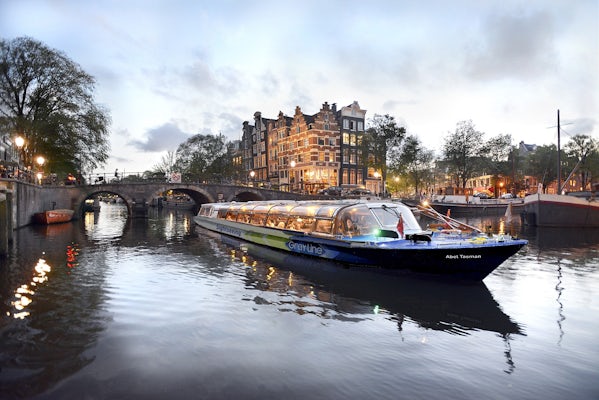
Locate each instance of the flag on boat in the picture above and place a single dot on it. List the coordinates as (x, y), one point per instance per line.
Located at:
(400, 226)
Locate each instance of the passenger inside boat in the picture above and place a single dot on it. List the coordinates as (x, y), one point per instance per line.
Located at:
(356, 221)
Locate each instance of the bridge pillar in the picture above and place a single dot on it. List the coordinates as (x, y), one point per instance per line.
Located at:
(139, 208)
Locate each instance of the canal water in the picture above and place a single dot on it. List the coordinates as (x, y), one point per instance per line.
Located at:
(111, 308)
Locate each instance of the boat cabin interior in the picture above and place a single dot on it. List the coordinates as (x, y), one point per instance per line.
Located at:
(330, 218)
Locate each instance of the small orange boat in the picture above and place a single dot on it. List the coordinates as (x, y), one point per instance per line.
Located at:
(53, 216)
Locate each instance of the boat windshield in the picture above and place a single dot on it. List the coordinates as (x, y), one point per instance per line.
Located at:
(388, 216)
(356, 220)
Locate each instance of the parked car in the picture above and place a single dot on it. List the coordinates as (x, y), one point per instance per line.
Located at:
(508, 196)
(482, 195)
(332, 191)
(70, 180)
(360, 192)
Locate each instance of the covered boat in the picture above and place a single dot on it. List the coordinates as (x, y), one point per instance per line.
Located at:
(381, 235)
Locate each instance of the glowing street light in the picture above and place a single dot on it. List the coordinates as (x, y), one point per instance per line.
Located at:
(40, 174)
(377, 176)
(292, 175)
(19, 142)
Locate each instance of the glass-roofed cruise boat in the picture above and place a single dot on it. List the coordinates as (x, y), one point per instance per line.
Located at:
(375, 235)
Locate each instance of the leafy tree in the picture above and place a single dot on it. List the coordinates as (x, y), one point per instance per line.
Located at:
(542, 164)
(582, 149)
(48, 100)
(497, 151)
(196, 156)
(413, 162)
(382, 137)
(462, 152)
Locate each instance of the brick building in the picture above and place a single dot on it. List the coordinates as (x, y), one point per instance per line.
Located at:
(306, 152)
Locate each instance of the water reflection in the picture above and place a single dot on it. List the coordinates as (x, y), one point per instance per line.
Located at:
(448, 307)
(54, 318)
(24, 294)
(91, 308)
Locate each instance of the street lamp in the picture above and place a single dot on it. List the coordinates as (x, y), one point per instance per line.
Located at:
(252, 175)
(19, 142)
(292, 177)
(40, 162)
(378, 182)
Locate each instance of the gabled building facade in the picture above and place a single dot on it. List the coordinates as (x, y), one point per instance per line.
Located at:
(306, 153)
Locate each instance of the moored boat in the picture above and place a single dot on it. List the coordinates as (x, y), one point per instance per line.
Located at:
(380, 235)
(53, 216)
(458, 205)
(562, 211)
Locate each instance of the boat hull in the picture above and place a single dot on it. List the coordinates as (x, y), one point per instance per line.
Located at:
(432, 304)
(461, 260)
(53, 216)
(549, 210)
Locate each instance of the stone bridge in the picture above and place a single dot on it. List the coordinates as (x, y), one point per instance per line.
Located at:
(21, 200)
(137, 196)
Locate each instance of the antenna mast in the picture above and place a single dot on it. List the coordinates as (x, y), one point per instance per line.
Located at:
(559, 161)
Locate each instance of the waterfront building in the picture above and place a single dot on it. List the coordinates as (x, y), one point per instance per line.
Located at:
(9, 156)
(306, 153)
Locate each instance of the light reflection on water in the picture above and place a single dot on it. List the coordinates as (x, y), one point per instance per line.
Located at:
(154, 308)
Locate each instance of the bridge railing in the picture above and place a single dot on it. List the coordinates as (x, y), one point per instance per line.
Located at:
(133, 177)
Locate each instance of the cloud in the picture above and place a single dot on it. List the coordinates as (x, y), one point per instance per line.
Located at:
(516, 46)
(165, 137)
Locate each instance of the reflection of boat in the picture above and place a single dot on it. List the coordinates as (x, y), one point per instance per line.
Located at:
(431, 304)
(561, 211)
(53, 216)
(372, 234)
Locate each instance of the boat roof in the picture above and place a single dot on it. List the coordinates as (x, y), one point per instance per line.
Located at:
(321, 208)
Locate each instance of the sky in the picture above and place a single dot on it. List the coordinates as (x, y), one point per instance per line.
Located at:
(170, 69)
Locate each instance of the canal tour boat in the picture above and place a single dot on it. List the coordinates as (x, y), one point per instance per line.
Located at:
(377, 235)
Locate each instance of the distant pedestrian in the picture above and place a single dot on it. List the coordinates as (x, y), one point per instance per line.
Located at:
(116, 173)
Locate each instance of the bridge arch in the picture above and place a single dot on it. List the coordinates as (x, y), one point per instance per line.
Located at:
(138, 195)
(79, 206)
(198, 194)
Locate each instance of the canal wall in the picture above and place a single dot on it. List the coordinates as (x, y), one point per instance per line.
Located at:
(25, 199)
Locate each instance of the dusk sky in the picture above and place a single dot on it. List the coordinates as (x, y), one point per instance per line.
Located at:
(167, 70)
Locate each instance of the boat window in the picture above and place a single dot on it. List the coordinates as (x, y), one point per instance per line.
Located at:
(244, 216)
(300, 223)
(276, 220)
(327, 211)
(231, 215)
(388, 216)
(356, 221)
(305, 210)
(323, 226)
(258, 219)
